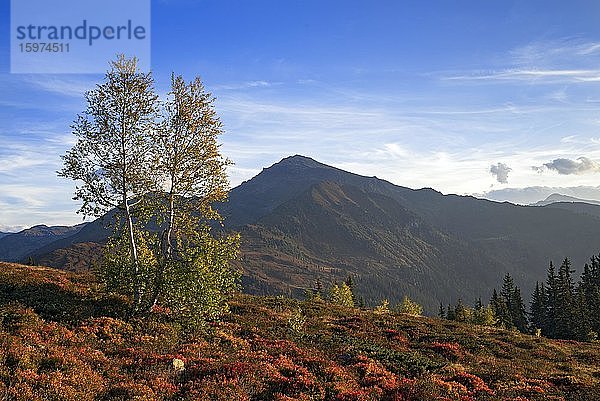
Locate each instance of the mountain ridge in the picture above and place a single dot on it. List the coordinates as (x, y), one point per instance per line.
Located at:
(303, 221)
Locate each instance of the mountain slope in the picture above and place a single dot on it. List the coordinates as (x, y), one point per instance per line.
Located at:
(588, 209)
(76, 252)
(332, 230)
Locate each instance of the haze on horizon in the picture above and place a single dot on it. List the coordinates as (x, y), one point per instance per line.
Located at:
(494, 100)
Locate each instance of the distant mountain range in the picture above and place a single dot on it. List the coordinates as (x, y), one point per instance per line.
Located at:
(303, 221)
(556, 198)
(530, 195)
(16, 246)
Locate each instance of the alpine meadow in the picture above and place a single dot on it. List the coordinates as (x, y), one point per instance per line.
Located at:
(299, 201)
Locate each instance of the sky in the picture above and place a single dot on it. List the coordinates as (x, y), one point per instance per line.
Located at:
(497, 99)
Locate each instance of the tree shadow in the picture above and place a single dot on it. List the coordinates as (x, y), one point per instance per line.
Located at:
(54, 303)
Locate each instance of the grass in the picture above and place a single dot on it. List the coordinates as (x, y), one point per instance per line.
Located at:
(62, 339)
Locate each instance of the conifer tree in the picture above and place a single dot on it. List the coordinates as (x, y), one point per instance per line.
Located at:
(500, 310)
(410, 307)
(539, 308)
(350, 283)
(341, 295)
(462, 313)
(483, 315)
(518, 312)
(589, 288)
(442, 311)
(564, 313)
(450, 315)
(319, 288)
(552, 298)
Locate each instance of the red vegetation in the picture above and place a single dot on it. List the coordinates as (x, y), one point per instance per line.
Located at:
(62, 340)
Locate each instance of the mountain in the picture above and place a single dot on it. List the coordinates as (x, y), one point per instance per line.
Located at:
(331, 231)
(76, 252)
(556, 198)
(302, 221)
(14, 247)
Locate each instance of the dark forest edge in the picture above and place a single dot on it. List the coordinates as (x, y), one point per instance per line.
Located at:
(560, 308)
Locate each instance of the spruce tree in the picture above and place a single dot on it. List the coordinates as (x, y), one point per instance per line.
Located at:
(501, 310)
(462, 313)
(589, 290)
(565, 323)
(442, 311)
(552, 305)
(409, 307)
(518, 313)
(450, 315)
(350, 283)
(539, 310)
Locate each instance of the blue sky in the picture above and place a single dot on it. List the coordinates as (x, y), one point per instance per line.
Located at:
(423, 94)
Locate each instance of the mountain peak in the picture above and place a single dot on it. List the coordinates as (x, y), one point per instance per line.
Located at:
(300, 161)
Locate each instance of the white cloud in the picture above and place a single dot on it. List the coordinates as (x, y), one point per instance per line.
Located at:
(500, 171)
(582, 165)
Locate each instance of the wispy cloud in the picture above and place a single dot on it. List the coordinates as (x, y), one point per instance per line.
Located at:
(547, 76)
(245, 85)
(544, 62)
(72, 87)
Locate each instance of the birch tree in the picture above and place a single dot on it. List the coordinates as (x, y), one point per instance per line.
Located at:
(159, 164)
(192, 173)
(111, 157)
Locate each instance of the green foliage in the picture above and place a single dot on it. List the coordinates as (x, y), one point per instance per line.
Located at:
(484, 315)
(409, 307)
(196, 289)
(296, 322)
(341, 295)
(116, 270)
(442, 314)
(158, 164)
(383, 307)
(508, 307)
(560, 308)
(479, 315)
(462, 313)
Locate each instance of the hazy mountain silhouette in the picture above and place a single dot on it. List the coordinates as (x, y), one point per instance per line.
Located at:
(556, 198)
